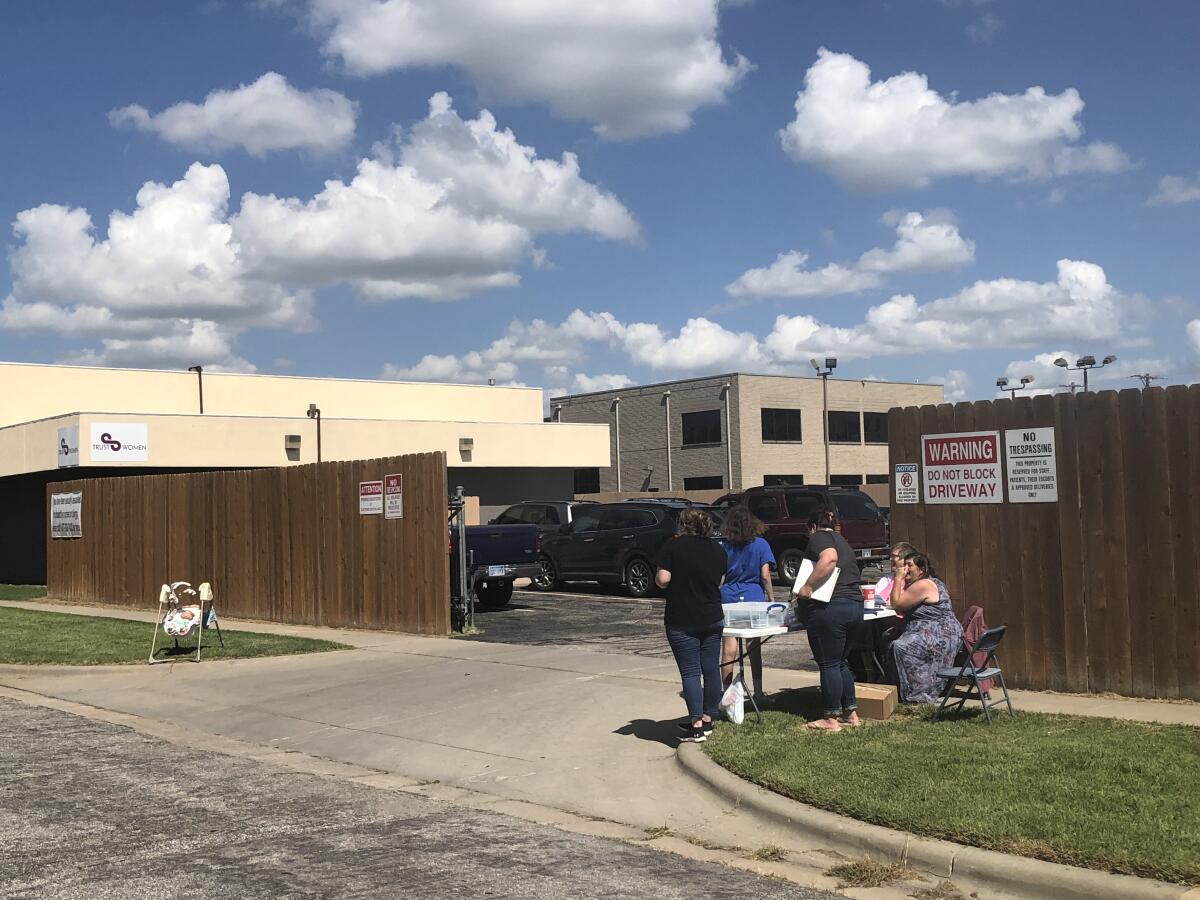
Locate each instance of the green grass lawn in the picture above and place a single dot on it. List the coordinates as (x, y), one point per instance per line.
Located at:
(1100, 793)
(22, 591)
(32, 637)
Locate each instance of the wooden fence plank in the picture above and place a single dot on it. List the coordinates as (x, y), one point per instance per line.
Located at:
(1131, 606)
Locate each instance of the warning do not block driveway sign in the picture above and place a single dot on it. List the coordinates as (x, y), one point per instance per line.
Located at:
(962, 468)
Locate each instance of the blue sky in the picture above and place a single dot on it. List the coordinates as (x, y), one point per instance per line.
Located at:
(575, 198)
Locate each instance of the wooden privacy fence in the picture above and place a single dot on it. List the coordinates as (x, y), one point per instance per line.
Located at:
(283, 545)
(1100, 590)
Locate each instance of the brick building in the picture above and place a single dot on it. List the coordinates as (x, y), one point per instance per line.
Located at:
(735, 431)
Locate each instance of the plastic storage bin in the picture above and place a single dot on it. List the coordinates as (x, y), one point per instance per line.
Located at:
(754, 614)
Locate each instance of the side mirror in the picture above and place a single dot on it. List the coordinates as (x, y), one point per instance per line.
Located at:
(493, 521)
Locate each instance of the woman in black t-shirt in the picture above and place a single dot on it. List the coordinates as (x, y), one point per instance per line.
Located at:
(829, 624)
(691, 567)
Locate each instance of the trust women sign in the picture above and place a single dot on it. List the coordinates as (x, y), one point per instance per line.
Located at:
(962, 468)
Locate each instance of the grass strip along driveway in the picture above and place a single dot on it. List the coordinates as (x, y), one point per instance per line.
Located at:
(1100, 793)
(33, 637)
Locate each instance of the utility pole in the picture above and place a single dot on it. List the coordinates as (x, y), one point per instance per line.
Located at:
(1072, 387)
(1146, 378)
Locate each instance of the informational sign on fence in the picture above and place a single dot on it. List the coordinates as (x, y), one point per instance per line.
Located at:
(1031, 468)
(962, 468)
(393, 496)
(370, 498)
(905, 482)
(68, 446)
(66, 515)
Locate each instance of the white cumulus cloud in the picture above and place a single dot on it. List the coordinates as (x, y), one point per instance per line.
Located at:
(629, 67)
(899, 133)
(1173, 190)
(927, 241)
(264, 116)
(1193, 332)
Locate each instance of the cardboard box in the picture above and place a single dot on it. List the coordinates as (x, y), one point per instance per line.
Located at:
(876, 701)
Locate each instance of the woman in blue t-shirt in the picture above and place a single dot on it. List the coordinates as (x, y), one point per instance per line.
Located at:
(747, 577)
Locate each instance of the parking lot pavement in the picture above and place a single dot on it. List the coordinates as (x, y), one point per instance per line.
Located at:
(97, 810)
(600, 618)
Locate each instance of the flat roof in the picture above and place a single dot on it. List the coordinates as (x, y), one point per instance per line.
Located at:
(657, 384)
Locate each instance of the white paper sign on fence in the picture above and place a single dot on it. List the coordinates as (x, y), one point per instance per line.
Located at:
(370, 498)
(905, 483)
(66, 515)
(1031, 467)
(962, 468)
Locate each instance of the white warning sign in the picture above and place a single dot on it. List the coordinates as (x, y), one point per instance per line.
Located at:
(1031, 468)
(905, 481)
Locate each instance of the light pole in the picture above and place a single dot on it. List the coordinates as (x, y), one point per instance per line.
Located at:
(314, 413)
(1002, 383)
(1084, 364)
(199, 370)
(1146, 378)
(830, 365)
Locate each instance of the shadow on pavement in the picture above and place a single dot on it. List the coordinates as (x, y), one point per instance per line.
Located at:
(660, 731)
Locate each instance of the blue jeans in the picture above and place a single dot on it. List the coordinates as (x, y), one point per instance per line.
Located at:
(698, 653)
(829, 626)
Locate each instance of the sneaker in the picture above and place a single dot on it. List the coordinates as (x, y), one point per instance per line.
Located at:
(686, 726)
(694, 736)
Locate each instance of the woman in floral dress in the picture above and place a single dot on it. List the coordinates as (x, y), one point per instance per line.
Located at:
(932, 633)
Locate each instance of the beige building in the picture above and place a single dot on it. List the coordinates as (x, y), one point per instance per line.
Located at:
(65, 422)
(735, 431)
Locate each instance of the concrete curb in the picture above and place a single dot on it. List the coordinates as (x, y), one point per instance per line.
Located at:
(979, 869)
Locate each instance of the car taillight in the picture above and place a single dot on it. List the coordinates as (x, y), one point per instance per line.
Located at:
(537, 542)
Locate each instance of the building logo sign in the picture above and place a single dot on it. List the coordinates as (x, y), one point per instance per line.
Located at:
(370, 498)
(66, 515)
(1032, 472)
(68, 446)
(393, 496)
(905, 481)
(962, 468)
(119, 442)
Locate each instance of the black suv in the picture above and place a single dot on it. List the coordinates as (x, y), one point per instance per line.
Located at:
(547, 515)
(613, 543)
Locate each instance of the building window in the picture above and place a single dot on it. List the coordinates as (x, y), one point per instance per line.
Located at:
(587, 481)
(877, 479)
(781, 424)
(845, 480)
(782, 480)
(844, 427)
(704, 483)
(702, 427)
(875, 427)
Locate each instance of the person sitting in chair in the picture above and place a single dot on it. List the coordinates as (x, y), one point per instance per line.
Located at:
(932, 633)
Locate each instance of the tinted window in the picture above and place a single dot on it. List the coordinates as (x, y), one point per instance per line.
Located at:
(511, 516)
(855, 505)
(587, 481)
(875, 427)
(844, 427)
(781, 424)
(845, 480)
(627, 518)
(552, 517)
(800, 504)
(877, 479)
(704, 483)
(702, 427)
(535, 514)
(782, 480)
(587, 521)
(764, 507)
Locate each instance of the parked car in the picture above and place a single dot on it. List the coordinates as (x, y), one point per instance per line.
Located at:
(547, 515)
(612, 543)
(496, 554)
(785, 511)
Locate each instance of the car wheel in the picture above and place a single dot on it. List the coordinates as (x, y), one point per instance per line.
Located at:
(494, 594)
(547, 579)
(639, 577)
(789, 564)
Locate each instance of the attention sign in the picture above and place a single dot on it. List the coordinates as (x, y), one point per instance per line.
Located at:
(370, 498)
(393, 496)
(905, 482)
(1032, 473)
(962, 468)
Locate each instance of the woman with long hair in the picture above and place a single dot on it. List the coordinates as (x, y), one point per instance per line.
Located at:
(691, 567)
(747, 579)
(932, 633)
(830, 624)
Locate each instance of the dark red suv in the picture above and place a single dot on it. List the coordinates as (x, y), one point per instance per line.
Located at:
(785, 512)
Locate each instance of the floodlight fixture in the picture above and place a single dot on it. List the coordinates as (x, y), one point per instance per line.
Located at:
(1111, 358)
(1027, 379)
(1086, 361)
(1062, 362)
(831, 362)
(1002, 383)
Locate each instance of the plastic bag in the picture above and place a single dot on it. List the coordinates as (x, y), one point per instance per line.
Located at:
(733, 703)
